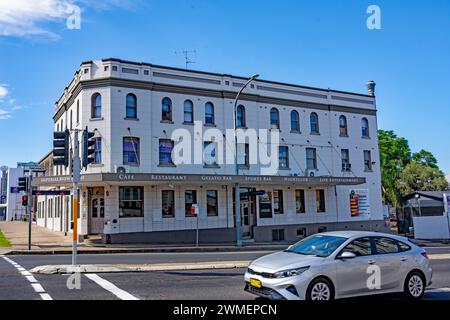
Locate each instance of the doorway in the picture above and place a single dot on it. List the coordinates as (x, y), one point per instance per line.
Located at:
(96, 214)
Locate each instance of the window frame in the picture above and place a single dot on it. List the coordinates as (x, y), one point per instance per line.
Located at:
(295, 118)
(314, 122)
(188, 103)
(169, 205)
(371, 246)
(321, 201)
(375, 250)
(280, 201)
(136, 142)
(286, 158)
(215, 212)
(302, 201)
(170, 163)
(314, 159)
(365, 129)
(168, 113)
(187, 205)
(211, 114)
(132, 107)
(368, 167)
(343, 126)
(140, 200)
(241, 117)
(274, 119)
(96, 108)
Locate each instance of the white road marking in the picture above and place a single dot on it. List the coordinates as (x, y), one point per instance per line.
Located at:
(45, 296)
(34, 283)
(105, 284)
(31, 279)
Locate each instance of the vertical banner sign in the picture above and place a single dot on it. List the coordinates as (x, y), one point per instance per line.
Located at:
(359, 202)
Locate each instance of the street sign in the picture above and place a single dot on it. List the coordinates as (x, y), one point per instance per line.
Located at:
(253, 193)
(14, 190)
(194, 210)
(51, 193)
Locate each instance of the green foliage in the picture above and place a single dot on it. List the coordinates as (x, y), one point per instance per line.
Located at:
(416, 176)
(403, 172)
(3, 241)
(426, 158)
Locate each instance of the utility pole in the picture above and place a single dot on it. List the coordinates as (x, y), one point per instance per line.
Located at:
(76, 176)
(237, 191)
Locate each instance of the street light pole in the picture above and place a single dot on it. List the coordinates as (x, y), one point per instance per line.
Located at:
(237, 192)
(76, 174)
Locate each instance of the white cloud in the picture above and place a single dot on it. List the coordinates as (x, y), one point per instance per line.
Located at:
(3, 91)
(4, 114)
(26, 18)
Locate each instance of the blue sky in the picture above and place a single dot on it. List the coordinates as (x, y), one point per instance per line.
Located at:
(314, 43)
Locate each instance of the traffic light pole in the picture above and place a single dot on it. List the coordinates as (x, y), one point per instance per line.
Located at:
(76, 175)
(30, 207)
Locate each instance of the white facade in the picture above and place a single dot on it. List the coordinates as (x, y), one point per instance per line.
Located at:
(114, 79)
(14, 208)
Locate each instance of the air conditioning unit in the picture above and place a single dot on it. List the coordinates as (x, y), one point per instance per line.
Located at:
(346, 167)
(122, 169)
(310, 173)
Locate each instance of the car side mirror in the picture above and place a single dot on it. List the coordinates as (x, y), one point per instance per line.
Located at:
(347, 255)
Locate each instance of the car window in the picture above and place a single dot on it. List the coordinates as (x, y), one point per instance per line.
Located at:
(359, 247)
(386, 245)
(403, 246)
(317, 245)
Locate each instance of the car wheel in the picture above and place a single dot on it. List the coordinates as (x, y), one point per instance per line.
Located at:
(320, 289)
(414, 286)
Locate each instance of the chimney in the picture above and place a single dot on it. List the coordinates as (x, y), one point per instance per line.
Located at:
(371, 87)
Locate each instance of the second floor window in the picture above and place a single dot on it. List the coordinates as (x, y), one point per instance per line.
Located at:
(98, 151)
(343, 132)
(131, 151)
(367, 160)
(314, 122)
(311, 159)
(295, 121)
(166, 109)
(283, 157)
(131, 106)
(188, 112)
(365, 128)
(240, 117)
(274, 119)
(209, 113)
(96, 107)
(165, 152)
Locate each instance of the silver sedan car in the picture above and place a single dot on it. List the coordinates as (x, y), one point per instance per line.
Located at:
(345, 264)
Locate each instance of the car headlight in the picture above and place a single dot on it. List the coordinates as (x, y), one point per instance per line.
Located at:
(290, 272)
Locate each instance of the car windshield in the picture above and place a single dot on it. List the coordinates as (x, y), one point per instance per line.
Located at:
(317, 245)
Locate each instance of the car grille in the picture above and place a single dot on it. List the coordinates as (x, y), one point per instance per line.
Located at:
(264, 292)
(261, 274)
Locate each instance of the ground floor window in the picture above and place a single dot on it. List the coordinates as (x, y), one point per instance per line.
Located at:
(300, 201)
(168, 203)
(278, 201)
(211, 203)
(278, 235)
(320, 200)
(190, 198)
(265, 205)
(131, 202)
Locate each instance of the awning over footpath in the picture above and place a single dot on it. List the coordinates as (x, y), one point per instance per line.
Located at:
(158, 179)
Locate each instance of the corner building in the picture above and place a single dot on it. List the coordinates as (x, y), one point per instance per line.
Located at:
(329, 166)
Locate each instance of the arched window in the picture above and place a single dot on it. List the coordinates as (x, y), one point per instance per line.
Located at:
(295, 121)
(343, 131)
(274, 118)
(188, 112)
(314, 120)
(209, 113)
(96, 106)
(166, 109)
(365, 128)
(240, 117)
(131, 106)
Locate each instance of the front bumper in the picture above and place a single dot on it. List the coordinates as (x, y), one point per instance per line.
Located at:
(279, 289)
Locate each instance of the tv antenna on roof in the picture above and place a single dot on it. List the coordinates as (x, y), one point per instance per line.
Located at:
(187, 56)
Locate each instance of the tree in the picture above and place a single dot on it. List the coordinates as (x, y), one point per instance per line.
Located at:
(426, 158)
(420, 177)
(395, 154)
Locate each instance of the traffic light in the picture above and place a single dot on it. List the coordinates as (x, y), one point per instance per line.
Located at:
(61, 147)
(88, 148)
(24, 201)
(23, 184)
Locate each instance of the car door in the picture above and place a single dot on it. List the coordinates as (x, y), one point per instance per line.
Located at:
(352, 274)
(390, 260)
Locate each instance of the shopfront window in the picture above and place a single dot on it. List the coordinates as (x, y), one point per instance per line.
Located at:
(190, 198)
(131, 202)
(168, 204)
(211, 203)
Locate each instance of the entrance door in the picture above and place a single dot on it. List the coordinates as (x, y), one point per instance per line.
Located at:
(97, 215)
(246, 226)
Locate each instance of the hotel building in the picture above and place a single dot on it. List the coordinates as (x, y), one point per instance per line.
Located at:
(328, 176)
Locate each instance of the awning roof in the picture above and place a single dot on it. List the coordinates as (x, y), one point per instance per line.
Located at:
(159, 178)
